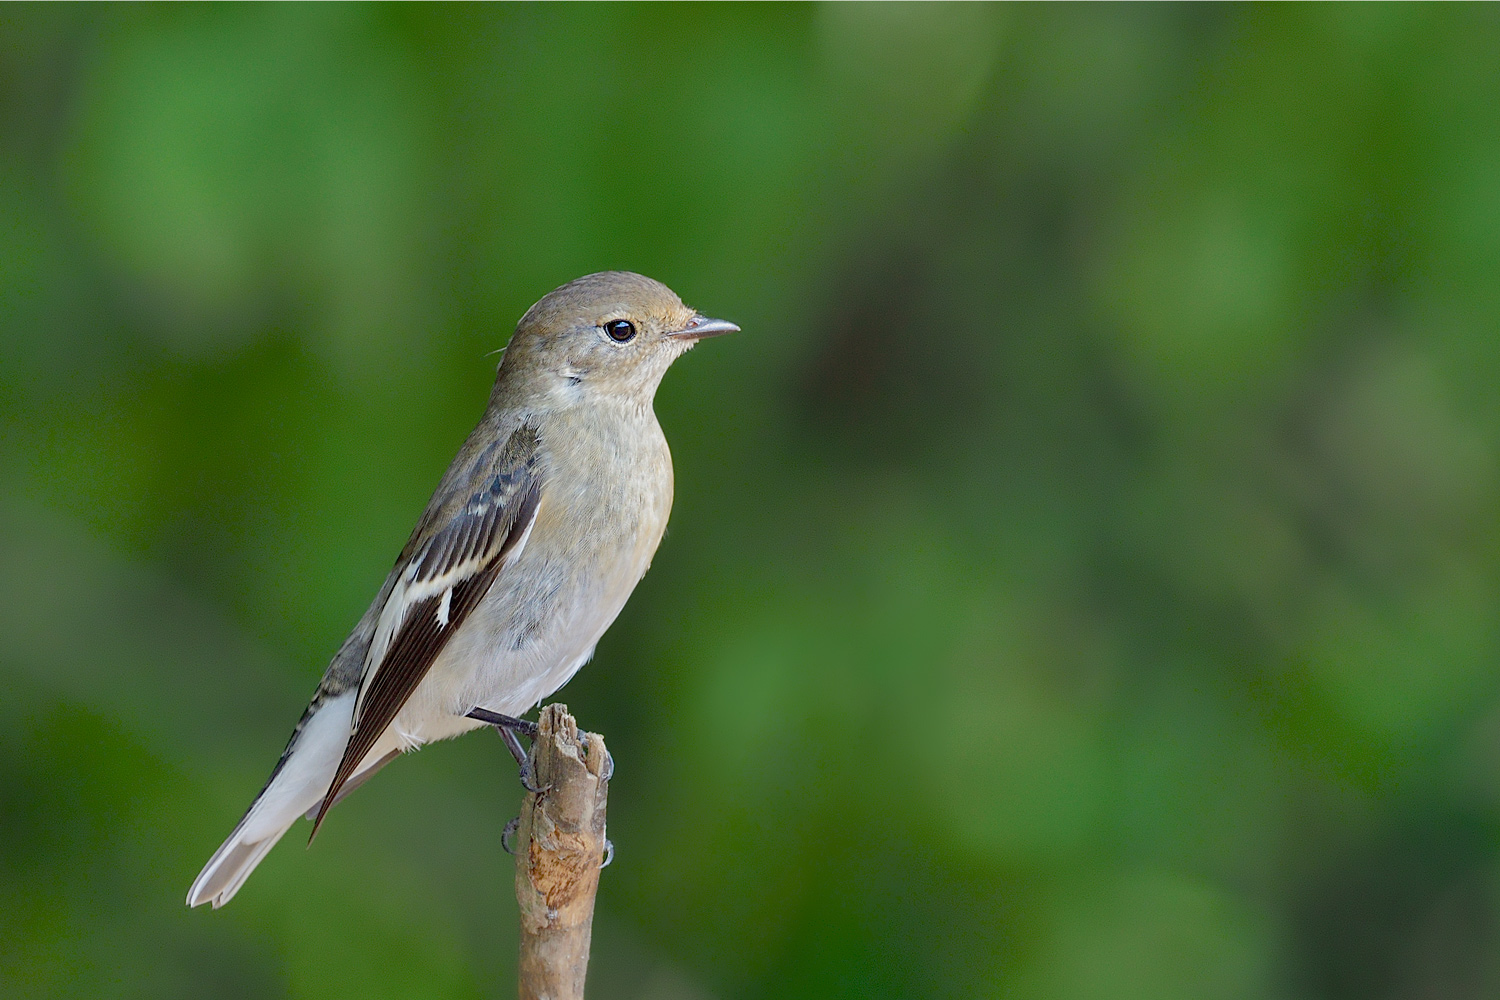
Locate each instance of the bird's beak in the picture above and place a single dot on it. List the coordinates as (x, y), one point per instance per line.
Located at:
(702, 326)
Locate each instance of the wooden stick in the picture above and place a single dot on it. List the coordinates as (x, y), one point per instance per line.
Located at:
(559, 847)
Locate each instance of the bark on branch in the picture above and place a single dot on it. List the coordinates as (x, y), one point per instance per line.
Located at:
(559, 847)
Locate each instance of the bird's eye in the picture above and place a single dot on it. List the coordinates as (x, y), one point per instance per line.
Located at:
(620, 330)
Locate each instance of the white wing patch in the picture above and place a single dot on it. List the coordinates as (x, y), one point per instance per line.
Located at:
(461, 550)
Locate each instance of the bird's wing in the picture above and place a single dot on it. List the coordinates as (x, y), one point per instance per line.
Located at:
(440, 578)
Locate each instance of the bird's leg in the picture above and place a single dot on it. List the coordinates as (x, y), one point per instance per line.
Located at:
(523, 760)
(526, 729)
(507, 727)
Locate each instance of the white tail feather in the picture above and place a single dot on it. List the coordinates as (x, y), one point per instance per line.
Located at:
(227, 870)
(297, 787)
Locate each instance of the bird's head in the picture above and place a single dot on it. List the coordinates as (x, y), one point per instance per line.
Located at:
(606, 335)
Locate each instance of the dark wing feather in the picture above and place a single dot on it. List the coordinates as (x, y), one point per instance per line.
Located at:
(456, 564)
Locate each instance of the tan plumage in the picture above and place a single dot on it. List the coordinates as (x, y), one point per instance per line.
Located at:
(529, 548)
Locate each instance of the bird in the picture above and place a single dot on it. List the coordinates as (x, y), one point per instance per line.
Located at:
(528, 550)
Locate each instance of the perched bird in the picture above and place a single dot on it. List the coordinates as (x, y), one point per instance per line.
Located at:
(536, 536)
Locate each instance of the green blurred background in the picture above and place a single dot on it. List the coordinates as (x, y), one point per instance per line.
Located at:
(1084, 574)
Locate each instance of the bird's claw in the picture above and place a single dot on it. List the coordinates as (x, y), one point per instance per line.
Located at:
(507, 833)
(609, 760)
(528, 781)
(609, 853)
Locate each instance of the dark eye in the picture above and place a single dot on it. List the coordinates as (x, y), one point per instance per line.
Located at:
(620, 330)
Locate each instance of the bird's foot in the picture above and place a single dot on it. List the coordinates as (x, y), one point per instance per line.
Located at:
(507, 727)
(609, 852)
(609, 759)
(507, 833)
(528, 779)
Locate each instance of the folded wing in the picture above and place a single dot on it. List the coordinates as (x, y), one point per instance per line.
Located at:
(442, 577)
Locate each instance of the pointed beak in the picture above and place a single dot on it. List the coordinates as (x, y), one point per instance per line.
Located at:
(702, 326)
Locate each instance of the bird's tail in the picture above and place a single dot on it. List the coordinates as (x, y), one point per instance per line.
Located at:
(298, 784)
(231, 864)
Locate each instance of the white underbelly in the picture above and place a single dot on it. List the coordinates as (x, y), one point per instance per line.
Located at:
(485, 666)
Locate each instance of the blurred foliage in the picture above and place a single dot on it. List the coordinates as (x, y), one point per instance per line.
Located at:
(1084, 576)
